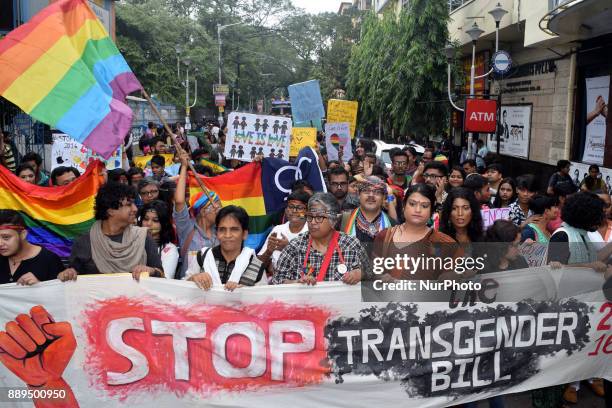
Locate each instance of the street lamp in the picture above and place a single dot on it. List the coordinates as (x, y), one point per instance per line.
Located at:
(187, 61)
(474, 32)
(219, 29)
(497, 13)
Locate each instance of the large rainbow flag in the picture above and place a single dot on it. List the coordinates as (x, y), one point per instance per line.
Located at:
(243, 188)
(63, 69)
(55, 216)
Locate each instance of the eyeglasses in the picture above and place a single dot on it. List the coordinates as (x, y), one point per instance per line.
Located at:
(317, 218)
(339, 185)
(212, 207)
(149, 193)
(372, 191)
(430, 176)
(296, 207)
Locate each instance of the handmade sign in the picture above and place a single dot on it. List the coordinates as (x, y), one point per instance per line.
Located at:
(306, 102)
(250, 135)
(145, 161)
(66, 151)
(337, 137)
(302, 137)
(493, 214)
(339, 111)
(109, 341)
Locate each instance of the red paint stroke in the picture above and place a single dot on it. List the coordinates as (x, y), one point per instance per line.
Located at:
(300, 369)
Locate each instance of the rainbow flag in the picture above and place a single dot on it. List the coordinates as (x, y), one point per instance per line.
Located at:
(216, 167)
(242, 187)
(63, 69)
(55, 216)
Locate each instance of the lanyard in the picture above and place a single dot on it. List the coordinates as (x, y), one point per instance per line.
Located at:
(333, 246)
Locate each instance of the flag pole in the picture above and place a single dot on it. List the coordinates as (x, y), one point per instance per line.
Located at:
(178, 147)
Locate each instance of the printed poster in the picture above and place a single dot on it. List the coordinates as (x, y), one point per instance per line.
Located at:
(70, 153)
(579, 171)
(302, 137)
(337, 135)
(249, 135)
(597, 92)
(339, 111)
(514, 127)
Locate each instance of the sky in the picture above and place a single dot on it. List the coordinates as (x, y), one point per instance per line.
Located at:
(318, 6)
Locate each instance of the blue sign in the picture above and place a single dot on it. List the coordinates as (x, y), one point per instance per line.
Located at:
(501, 62)
(306, 101)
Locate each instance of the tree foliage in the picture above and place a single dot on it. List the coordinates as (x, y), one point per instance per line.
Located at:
(398, 70)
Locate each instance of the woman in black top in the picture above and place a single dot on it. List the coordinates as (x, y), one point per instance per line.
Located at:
(20, 261)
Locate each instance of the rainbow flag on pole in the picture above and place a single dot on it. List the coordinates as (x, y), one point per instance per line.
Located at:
(63, 69)
(243, 188)
(55, 216)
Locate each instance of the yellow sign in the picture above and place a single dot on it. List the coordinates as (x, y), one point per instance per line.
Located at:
(221, 109)
(302, 137)
(340, 111)
(145, 161)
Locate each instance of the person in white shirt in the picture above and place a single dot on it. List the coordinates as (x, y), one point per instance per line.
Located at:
(295, 214)
(155, 216)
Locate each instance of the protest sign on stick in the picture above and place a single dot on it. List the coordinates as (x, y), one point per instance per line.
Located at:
(337, 138)
(306, 102)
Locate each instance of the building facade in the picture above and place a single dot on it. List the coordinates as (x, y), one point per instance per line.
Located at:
(554, 98)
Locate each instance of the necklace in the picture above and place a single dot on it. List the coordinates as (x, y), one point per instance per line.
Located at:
(14, 262)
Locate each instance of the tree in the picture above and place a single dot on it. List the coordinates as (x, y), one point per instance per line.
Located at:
(398, 70)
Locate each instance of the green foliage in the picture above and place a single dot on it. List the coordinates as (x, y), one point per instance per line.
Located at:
(398, 70)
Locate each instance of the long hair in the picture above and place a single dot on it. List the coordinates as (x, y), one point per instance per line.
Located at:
(166, 233)
(497, 202)
(498, 238)
(474, 229)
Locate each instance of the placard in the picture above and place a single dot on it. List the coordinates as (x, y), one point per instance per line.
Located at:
(250, 135)
(306, 102)
(302, 137)
(67, 152)
(340, 111)
(493, 214)
(338, 135)
(145, 161)
(597, 92)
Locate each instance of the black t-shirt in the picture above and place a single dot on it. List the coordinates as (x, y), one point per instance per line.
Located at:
(82, 261)
(561, 179)
(45, 266)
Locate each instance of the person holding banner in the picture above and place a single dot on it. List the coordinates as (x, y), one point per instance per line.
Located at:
(20, 261)
(114, 244)
(156, 217)
(230, 263)
(322, 254)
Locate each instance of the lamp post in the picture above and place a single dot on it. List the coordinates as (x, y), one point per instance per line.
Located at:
(219, 29)
(474, 32)
(187, 61)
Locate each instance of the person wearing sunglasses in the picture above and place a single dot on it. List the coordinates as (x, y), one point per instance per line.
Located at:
(281, 235)
(322, 253)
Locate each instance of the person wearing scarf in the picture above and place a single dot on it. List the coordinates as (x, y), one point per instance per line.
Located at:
(229, 264)
(114, 244)
(367, 220)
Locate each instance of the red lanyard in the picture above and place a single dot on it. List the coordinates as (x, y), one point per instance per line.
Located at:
(333, 246)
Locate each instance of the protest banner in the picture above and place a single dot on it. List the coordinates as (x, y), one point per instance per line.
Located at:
(249, 135)
(534, 253)
(339, 111)
(306, 102)
(493, 214)
(302, 137)
(145, 161)
(338, 135)
(66, 151)
(121, 343)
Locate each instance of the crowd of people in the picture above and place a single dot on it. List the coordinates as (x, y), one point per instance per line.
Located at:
(146, 222)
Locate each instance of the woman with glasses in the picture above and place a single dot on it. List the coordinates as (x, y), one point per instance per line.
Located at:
(322, 253)
(148, 190)
(416, 239)
(156, 217)
(195, 225)
(281, 235)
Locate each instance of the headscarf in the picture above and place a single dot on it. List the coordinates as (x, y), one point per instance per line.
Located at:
(202, 200)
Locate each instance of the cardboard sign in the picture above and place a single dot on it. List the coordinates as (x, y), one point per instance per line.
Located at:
(306, 102)
(480, 115)
(69, 153)
(302, 137)
(493, 214)
(338, 135)
(145, 161)
(339, 111)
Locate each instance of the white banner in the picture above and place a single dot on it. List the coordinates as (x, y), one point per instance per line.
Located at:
(66, 151)
(108, 341)
(338, 135)
(250, 135)
(515, 130)
(597, 91)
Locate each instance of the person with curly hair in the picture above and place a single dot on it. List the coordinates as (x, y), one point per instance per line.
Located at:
(461, 218)
(156, 217)
(114, 244)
